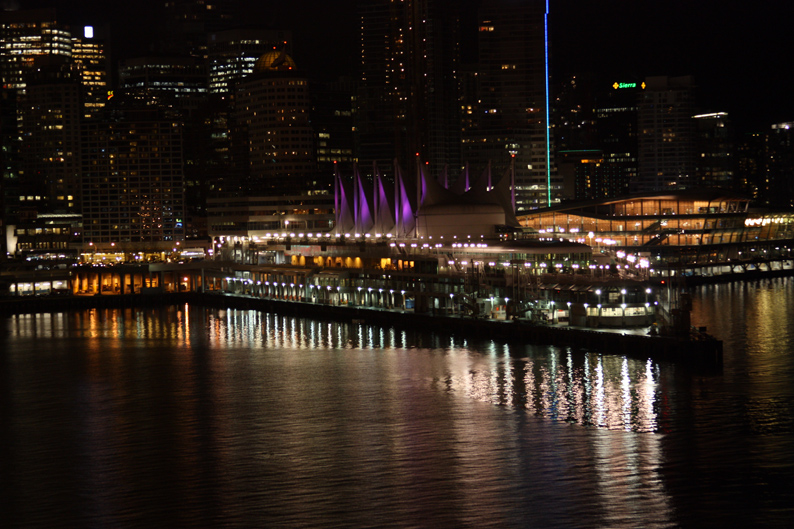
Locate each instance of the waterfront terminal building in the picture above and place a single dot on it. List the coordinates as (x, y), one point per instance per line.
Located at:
(615, 263)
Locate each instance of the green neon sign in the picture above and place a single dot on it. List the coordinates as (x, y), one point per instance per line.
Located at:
(618, 86)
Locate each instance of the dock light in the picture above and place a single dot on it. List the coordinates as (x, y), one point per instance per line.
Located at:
(329, 287)
(359, 289)
(450, 263)
(647, 290)
(586, 305)
(623, 291)
(402, 292)
(491, 264)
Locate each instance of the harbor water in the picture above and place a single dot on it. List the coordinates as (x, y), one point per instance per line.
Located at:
(195, 417)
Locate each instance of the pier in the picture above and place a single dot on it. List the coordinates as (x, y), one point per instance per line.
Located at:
(698, 348)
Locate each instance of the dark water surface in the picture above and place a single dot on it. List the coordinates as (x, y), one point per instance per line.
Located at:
(192, 417)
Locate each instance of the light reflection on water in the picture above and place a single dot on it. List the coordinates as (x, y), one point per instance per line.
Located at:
(233, 418)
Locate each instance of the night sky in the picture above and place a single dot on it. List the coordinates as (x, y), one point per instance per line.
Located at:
(739, 52)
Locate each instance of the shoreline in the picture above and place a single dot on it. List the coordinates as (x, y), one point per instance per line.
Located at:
(700, 349)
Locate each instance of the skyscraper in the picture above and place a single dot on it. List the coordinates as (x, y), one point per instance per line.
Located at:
(132, 178)
(232, 54)
(187, 23)
(272, 109)
(51, 110)
(714, 156)
(91, 57)
(511, 115)
(25, 35)
(666, 133)
(407, 102)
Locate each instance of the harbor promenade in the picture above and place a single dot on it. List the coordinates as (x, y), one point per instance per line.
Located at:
(694, 347)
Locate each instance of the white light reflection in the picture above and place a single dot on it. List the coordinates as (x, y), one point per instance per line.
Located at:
(625, 382)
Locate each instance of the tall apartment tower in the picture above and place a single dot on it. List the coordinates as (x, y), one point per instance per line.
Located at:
(666, 133)
(512, 111)
(407, 101)
(51, 110)
(272, 109)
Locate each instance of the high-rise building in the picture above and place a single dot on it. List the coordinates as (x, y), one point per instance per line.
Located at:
(714, 155)
(407, 101)
(512, 108)
(232, 54)
(332, 123)
(186, 24)
(272, 110)
(777, 188)
(182, 78)
(9, 167)
(51, 110)
(25, 35)
(666, 135)
(91, 57)
(132, 179)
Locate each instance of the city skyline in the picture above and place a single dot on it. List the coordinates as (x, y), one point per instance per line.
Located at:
(732, 49)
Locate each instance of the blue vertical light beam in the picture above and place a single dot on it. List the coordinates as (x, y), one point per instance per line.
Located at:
(548, 121)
